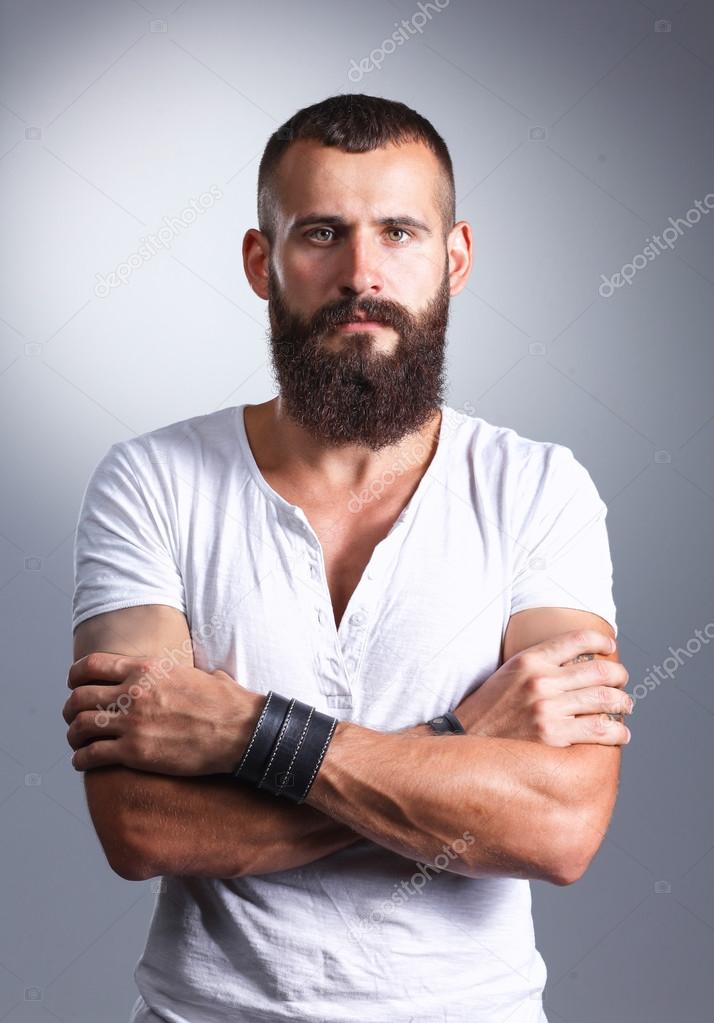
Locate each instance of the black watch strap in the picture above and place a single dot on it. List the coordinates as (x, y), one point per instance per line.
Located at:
(446, 724)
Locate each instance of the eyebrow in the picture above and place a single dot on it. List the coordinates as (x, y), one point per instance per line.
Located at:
(337, 221)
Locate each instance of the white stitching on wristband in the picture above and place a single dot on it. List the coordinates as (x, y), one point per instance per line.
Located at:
(252, 738)
(277, 741)
(319, 761)
(297, 750)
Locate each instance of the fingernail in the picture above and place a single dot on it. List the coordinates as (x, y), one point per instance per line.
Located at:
(629, 736)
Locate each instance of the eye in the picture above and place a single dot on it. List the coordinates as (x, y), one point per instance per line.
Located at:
(315, 229)
(330, 231)
(401, 230)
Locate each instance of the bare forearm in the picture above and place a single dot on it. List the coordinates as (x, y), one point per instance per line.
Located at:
(505, 800)
(205, 827)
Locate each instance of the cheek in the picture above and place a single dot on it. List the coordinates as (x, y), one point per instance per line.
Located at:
(308, 278)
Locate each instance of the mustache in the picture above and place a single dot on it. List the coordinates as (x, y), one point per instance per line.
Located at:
(381, 312)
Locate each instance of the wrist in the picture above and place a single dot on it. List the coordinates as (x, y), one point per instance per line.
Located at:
(284, 746)
(421, 729)
(248, 709)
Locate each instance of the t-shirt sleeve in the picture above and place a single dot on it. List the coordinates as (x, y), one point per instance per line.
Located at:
(124, 547)
(562, 549)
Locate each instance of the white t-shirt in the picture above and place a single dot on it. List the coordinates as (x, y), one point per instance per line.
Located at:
(182, 516)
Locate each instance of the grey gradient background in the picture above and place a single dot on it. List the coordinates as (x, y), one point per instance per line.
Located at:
(577, 129)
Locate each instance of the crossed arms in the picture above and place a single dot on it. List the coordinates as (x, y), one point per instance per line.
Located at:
(534, 810)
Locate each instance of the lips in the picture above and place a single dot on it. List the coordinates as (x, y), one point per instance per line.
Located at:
(360, 319)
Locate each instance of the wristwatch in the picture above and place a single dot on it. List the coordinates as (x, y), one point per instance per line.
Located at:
(447, 723)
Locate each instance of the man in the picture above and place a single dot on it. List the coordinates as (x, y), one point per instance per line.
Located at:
(357, 544)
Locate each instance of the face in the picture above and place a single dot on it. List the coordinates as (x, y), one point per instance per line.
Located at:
(333, 261)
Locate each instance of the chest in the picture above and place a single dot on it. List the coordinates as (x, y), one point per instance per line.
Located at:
(349, 531)
(379, 617)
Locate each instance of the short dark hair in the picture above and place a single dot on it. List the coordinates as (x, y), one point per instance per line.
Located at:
(355, 123)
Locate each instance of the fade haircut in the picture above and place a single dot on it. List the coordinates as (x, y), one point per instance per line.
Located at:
(354, 123)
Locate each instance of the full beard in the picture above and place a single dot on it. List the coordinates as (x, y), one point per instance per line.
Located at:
(358, 395)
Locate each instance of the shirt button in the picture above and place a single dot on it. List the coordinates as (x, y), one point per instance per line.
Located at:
(314, 571)
(321, 616)
(358, 618)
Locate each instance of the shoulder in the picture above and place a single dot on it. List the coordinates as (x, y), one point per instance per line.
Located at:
(180, 448)
(501, 452)
(515, 475)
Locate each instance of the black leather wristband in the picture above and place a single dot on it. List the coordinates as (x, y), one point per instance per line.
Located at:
(321, 727)
(260, 744)
(447, 724)
(287, 744)
(287, 747)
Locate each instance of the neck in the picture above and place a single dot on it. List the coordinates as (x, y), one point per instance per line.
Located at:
(281, 445)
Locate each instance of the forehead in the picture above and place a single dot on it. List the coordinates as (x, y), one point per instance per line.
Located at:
(359, 185)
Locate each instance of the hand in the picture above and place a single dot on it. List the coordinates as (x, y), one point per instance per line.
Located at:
(555, 692)
(136, 712)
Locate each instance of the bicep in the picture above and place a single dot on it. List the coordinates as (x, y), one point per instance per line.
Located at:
(526, 628)
(595, 769)
(149, 630)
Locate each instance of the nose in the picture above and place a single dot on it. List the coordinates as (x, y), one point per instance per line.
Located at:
(360, 270)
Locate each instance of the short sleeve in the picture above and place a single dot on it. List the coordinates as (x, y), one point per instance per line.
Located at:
(123, 545)
(562, 549)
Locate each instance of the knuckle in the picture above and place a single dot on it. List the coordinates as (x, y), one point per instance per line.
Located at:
(145, 666)
(94, 662)
(137, 747)
(600, 724)
(604, 697)
(522, 662)
(68, 710)
(536, 687)
(621, 673)
(82, 720)
(602, 667)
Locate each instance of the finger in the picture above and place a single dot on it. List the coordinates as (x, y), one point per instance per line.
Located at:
(567, 645)
(594, 700)
(101, 753)
(88, 697)
(599, 729)
(99, 666)
(90, 725)
(594, 672)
